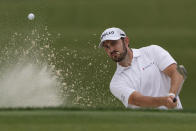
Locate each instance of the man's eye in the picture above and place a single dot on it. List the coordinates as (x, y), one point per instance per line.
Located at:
(107, 47)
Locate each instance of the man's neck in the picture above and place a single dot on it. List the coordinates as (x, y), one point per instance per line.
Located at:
(128, 59)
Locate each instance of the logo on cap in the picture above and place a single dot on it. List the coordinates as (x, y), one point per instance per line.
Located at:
(107, 33)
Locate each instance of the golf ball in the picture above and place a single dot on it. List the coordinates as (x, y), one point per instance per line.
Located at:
(31, 16)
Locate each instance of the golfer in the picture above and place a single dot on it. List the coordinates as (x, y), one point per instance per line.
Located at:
(145, 77)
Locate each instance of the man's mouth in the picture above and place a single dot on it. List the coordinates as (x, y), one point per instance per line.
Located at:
(115, 53)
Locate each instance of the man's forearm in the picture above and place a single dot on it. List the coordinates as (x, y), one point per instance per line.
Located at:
(176, 81)
(149, 101)
(176, 77)
(146, 101)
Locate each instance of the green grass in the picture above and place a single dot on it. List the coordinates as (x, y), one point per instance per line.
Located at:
(86, 120)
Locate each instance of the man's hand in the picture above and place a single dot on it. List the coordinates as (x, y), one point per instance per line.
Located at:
(168, 102)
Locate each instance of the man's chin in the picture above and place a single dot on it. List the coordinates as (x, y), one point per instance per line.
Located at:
(117, 59)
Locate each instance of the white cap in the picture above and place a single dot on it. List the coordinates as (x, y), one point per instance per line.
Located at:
(111, 34)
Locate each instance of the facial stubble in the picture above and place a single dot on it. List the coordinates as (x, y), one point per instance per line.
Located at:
(122, 55)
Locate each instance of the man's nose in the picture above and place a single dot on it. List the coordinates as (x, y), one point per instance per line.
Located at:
(111, 49)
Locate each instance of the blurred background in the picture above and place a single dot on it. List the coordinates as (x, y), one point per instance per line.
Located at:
(69, 31)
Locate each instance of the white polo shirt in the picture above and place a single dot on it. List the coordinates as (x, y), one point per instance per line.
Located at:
(143, 75)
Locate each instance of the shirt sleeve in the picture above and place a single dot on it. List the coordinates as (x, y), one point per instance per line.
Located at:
(121, 90)
(162, 57)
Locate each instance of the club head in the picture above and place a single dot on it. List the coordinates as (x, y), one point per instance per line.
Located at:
(182, 71)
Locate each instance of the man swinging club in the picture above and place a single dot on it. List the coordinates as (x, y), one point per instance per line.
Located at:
(145, 77)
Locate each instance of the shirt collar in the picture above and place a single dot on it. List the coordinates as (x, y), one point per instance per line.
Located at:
(136, 53)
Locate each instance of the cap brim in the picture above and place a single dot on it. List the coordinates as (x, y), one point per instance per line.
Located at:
(112, 38)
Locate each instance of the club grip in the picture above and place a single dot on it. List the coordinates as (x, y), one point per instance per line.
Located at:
(174, 100)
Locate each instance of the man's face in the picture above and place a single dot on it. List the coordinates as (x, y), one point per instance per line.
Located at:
(115, 49)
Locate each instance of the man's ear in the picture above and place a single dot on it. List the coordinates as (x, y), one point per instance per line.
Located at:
(126, 39)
